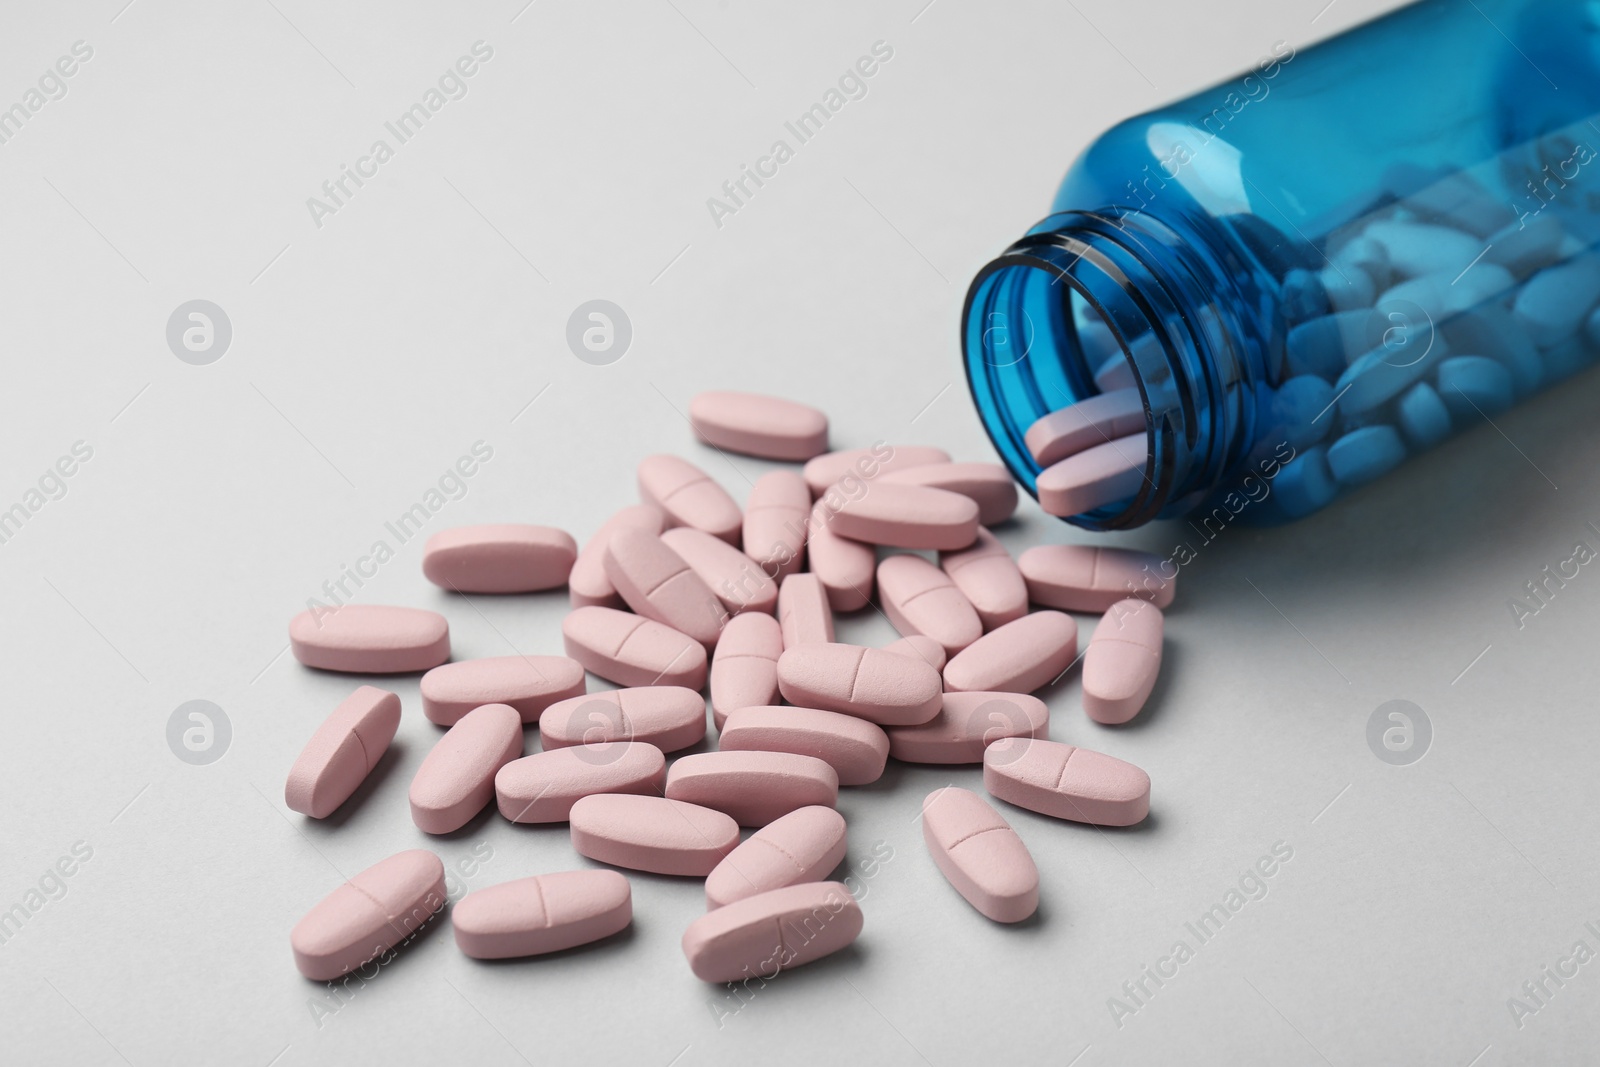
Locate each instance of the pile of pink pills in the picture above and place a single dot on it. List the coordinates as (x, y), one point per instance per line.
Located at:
(686, 593)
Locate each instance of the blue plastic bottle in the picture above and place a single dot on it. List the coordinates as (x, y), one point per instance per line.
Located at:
(1316, 269)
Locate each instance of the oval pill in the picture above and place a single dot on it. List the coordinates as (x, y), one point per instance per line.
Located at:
(753, 788)
(1091, 421)
(870, 683)
(908, 516)
(1473, 386)
(1420, 248)
(1019, 657)
(342, 752)
(923, 648)
(1370, 451)
(1116, 374)
(688, 497)
(967, 724)
(368, 915)
(370, 639)
(1423, 417)
(771, 932)
(805, 845)
(744, 668)
(528, 683)
(544, 913)
(919, 598)
(456, 779)
(630, 650)
(1095, 477)
(1553, 303)
(652, 834)
(988, 577)
(504, 558)
(1089, 578)
(804, 614)
(669, 717)
(757, 425)
(543, 787)
(1122, 661)
(855, 748)
(587, 584)
(988, 485)
(775, 517)
(866, 464)
(844, 567)
(733, 577)
(1066, 782)
(980, 854)
(657, 584)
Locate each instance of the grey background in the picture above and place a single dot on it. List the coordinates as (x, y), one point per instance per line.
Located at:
(430, 313)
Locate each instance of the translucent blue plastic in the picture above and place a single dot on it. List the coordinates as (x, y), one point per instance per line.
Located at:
(1318, 268)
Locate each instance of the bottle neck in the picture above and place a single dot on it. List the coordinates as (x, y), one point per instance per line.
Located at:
(1083, 290)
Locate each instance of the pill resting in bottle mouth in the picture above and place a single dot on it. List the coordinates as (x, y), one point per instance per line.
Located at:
(1261, 297)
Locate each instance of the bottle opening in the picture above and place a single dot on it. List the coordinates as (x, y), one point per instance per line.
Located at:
(1053, 322)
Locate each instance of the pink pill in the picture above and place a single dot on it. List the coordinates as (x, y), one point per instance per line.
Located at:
(967, 724)
(1095, 477)
(919, 598)
(528, 683)
(368, 915)
(630, 650)
(688, 497)
(1066, 782)
(908, 516)
(753, 787)
(990, 580)
(988, 485)
(1122, 661)
(744, 669)
(545, 913)
(343, 751)
(855, 748)
(757, 425)
(869, 683)
(456, 780)
(657, 584)
(865, 464)
(652, 834)
(844, 567)
(1019, 657)
(980, 854)
(499, 559)
(775, 522)
(588, 585)
(1079, 427)
(370, 639)
(1088, 578)
(669, 717)
(804, 614)
(763, 935)
(1116, 375)
(543, 787)
(733, 577)
(805, 845)
(924, 648)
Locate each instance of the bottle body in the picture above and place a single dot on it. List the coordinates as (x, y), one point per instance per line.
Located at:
(1315, 270)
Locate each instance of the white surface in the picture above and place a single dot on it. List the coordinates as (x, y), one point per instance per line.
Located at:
(374, 351)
